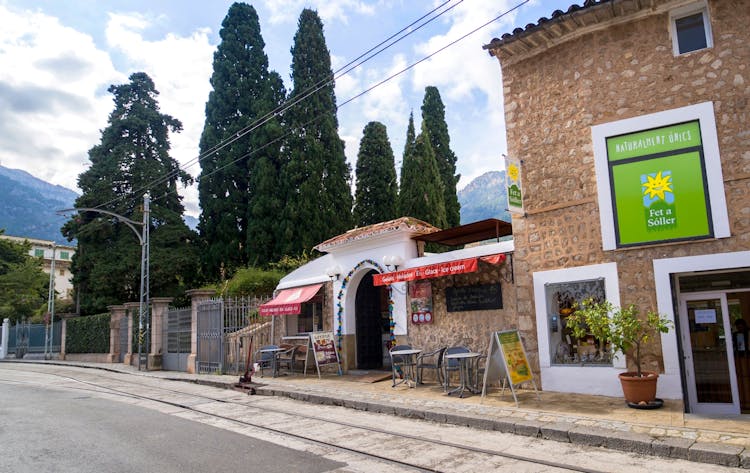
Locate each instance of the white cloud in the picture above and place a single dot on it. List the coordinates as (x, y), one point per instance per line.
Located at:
(285, 11)
(55, 79)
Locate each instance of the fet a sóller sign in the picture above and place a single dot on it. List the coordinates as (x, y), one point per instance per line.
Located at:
(425, 272)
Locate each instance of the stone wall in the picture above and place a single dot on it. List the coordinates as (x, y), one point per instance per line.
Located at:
(472, 328)
(553, 98)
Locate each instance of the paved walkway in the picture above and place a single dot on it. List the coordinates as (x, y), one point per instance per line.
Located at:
(590, 420)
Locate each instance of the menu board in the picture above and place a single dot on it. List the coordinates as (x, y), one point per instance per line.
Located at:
(324, 348)
(420, 294)
(476, 297)
(514, 356)
(507, 362)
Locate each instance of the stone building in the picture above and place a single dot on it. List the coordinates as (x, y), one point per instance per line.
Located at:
(375, 287)
(48, 251)
(631, 121)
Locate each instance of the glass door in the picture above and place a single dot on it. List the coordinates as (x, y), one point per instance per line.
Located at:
(709, 361)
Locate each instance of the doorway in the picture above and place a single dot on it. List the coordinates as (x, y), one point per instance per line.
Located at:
(709, 353)
(368, 324)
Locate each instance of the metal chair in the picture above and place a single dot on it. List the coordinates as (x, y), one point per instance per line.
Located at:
(451, 365)
(432, 361)
(265, 360)
(398, 363)
(286, 359)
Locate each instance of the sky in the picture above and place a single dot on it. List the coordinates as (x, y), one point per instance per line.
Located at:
(59, 57)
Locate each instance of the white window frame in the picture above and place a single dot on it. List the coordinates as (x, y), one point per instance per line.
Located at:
(687, 10)
(588, 379)
(704, 113)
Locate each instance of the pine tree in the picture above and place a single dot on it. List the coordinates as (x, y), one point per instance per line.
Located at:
(421, 193)
(315, 173)
(132, 158)
(377, 189)
(243, 92)
(433, 117)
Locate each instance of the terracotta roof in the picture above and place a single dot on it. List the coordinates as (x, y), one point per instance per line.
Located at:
(469, 233)
(561, 23)
(410, 225)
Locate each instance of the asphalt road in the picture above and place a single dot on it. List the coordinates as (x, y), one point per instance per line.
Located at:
(69, 419)
(44, 430)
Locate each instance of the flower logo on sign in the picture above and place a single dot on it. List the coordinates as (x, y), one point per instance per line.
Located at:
(340, 298)
(513, 172)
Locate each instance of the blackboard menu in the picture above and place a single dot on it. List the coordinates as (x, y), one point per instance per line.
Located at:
(477, 297)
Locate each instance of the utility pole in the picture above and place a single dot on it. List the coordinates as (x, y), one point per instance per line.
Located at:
(49, 335)
(143, 239)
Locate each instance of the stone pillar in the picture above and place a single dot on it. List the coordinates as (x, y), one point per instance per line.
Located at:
(4, 339)
(131, 313)
(159, 309)
(116, 317)
(196, 296)
(63, 335)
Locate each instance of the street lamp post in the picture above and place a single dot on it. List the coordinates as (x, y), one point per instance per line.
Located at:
(143, 239)
(49, 335)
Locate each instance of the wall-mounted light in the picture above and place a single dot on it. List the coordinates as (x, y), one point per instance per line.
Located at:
(334, 272)
(392, 262)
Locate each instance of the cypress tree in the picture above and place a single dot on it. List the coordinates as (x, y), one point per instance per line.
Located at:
(315, 173)
(133, 157)
(433, 117)
(406, 157)
(243, 92)
(421, 192)
(377, 190)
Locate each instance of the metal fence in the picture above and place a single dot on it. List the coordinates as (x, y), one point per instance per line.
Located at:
(176, 339)
(223, 334)
(26, 338)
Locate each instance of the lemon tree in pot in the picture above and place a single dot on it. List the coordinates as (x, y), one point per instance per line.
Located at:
(626, 332)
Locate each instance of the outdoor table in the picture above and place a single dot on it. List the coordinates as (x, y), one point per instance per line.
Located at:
(274, 364)
(301, 340)
(464, 360)
(409, 366)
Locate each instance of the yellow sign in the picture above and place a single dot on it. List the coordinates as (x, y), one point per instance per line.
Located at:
(514, 356)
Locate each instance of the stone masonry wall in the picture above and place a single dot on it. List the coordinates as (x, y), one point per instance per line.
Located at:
(551, 101)
(473, 328)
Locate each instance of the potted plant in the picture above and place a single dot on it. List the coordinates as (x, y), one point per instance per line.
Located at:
(626, 332)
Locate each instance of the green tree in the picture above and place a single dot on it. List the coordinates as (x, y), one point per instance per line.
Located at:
(433, 117)
(238, 187)
(421, 194)
(23, 285)
(407, 156)
(377, 189)
(132, 158)
(315, 173)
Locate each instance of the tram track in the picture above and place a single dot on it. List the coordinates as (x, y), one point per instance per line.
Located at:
(254, 414)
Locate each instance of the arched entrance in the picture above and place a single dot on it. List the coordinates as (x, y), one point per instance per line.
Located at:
(369, 323)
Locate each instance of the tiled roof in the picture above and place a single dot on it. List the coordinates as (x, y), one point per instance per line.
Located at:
(561, 23)
(405, 224)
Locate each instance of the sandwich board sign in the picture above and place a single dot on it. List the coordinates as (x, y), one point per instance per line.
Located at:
(507, 361)
(324, 350)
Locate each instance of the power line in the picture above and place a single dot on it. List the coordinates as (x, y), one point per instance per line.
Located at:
(342, 71)
(378, 84)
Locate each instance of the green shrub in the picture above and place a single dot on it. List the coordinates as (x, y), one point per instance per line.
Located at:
(252, 282)
(88, 334)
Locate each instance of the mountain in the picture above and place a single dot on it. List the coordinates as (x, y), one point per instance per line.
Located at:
(484, 197)
(29, 205)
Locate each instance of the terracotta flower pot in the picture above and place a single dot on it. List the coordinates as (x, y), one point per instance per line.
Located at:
(637, 389)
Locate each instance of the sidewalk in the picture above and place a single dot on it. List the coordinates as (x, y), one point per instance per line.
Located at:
(580, 419)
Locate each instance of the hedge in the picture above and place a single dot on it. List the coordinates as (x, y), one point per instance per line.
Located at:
(88, 334)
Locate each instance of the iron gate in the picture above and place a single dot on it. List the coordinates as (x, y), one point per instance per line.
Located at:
(26, 338)
(176, 339)
(221, 324)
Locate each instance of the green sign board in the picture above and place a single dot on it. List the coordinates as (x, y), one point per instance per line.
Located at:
(659, 185)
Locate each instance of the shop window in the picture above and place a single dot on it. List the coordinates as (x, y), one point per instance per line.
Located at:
(311, 318)
(562, 299)
(691, 29)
